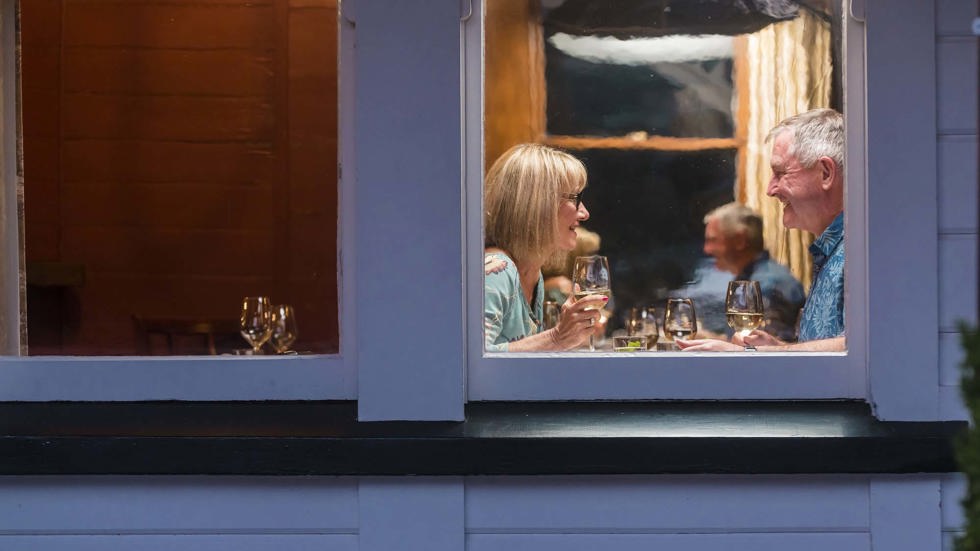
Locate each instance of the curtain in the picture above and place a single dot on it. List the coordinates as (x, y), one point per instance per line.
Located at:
(788, 68)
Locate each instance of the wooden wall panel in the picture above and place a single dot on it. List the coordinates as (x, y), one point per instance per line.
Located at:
(168, 118)
(184, 153)
(514, 93)
(155, 205)
(231, 72)
(179, 24)
(171, 252)
(208, 164)
(312, 151)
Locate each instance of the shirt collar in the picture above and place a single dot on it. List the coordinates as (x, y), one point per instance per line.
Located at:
(828, 240)
(747, 272)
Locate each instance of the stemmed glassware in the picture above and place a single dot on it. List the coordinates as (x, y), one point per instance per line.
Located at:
(680, 319)
(743, 307)
(591, 277)
(284, 331)
(643, 321)
(256, 322)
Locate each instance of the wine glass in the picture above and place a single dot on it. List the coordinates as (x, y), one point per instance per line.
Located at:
(591, 277)
(743, 307)
(680, 319)
(643, 321)
(284, 330)
(256, 321)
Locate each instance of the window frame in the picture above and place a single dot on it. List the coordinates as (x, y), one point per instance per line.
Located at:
(137, 378)
(669, 375)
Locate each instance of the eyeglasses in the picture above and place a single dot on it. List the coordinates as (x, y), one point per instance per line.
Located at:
(576, 197)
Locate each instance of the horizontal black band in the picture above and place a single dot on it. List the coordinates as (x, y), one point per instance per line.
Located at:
(498, 438)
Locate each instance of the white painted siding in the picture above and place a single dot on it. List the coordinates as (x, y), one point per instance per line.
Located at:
(956, 146)
(953, 490)
(81, 512)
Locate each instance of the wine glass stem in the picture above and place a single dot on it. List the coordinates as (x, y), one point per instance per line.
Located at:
(591, 343)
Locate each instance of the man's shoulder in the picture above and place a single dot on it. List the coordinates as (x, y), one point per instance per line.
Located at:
(774, 271)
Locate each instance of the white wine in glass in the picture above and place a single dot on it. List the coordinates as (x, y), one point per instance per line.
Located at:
(256, 322)
(591, 277)
(284, 330)
(643, 322)
(680, 319)
(743, 306)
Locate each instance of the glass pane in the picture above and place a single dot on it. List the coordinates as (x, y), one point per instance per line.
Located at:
(178, 157)
(648, 214)
(668, 107)
(609, 92)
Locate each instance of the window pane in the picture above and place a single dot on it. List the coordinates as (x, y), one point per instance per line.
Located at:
(178, 157)
(648, 214)
(606, 93)
(668, 107)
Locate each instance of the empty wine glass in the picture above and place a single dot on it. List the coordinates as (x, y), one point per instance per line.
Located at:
(643, 321)
(591, 277)
(743, 307)
(284, 330)
(680, 319)
(256, 321)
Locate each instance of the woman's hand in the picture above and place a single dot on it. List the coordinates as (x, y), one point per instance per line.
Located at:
(707, 345)
(756, 338)
(577, 320)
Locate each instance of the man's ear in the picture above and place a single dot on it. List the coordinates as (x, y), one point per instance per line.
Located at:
(739, 241)
(828, 172)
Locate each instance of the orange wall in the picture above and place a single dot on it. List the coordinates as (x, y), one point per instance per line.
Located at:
(185, 154)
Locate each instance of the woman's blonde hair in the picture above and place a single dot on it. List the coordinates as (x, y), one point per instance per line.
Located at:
(522, 193)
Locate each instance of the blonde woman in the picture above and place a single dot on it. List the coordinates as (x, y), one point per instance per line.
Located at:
(533, 204)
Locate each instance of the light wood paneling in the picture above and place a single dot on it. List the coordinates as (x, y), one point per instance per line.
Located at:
(514, 93)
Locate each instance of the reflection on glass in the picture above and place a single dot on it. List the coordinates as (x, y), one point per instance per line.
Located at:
(284, 331)
(680, 319)
(256, 322)
(591, 277)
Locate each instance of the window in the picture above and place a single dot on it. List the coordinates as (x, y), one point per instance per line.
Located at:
(660, 166)
(177, 158)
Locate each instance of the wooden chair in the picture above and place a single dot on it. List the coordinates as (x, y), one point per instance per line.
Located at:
(185, 336)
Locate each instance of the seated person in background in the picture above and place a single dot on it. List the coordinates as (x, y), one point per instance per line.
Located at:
(532, 206)
(558, 275)
(733, 236)
(808, 179)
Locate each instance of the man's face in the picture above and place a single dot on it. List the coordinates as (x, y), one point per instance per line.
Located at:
(720, 246)
(797, 188)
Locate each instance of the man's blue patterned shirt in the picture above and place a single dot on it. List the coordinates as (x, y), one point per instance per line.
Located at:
(823, 313)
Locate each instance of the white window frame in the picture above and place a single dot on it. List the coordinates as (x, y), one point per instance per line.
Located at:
(590, 376)
(133, 378)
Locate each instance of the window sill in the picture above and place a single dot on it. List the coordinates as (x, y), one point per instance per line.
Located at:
(498, 438)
